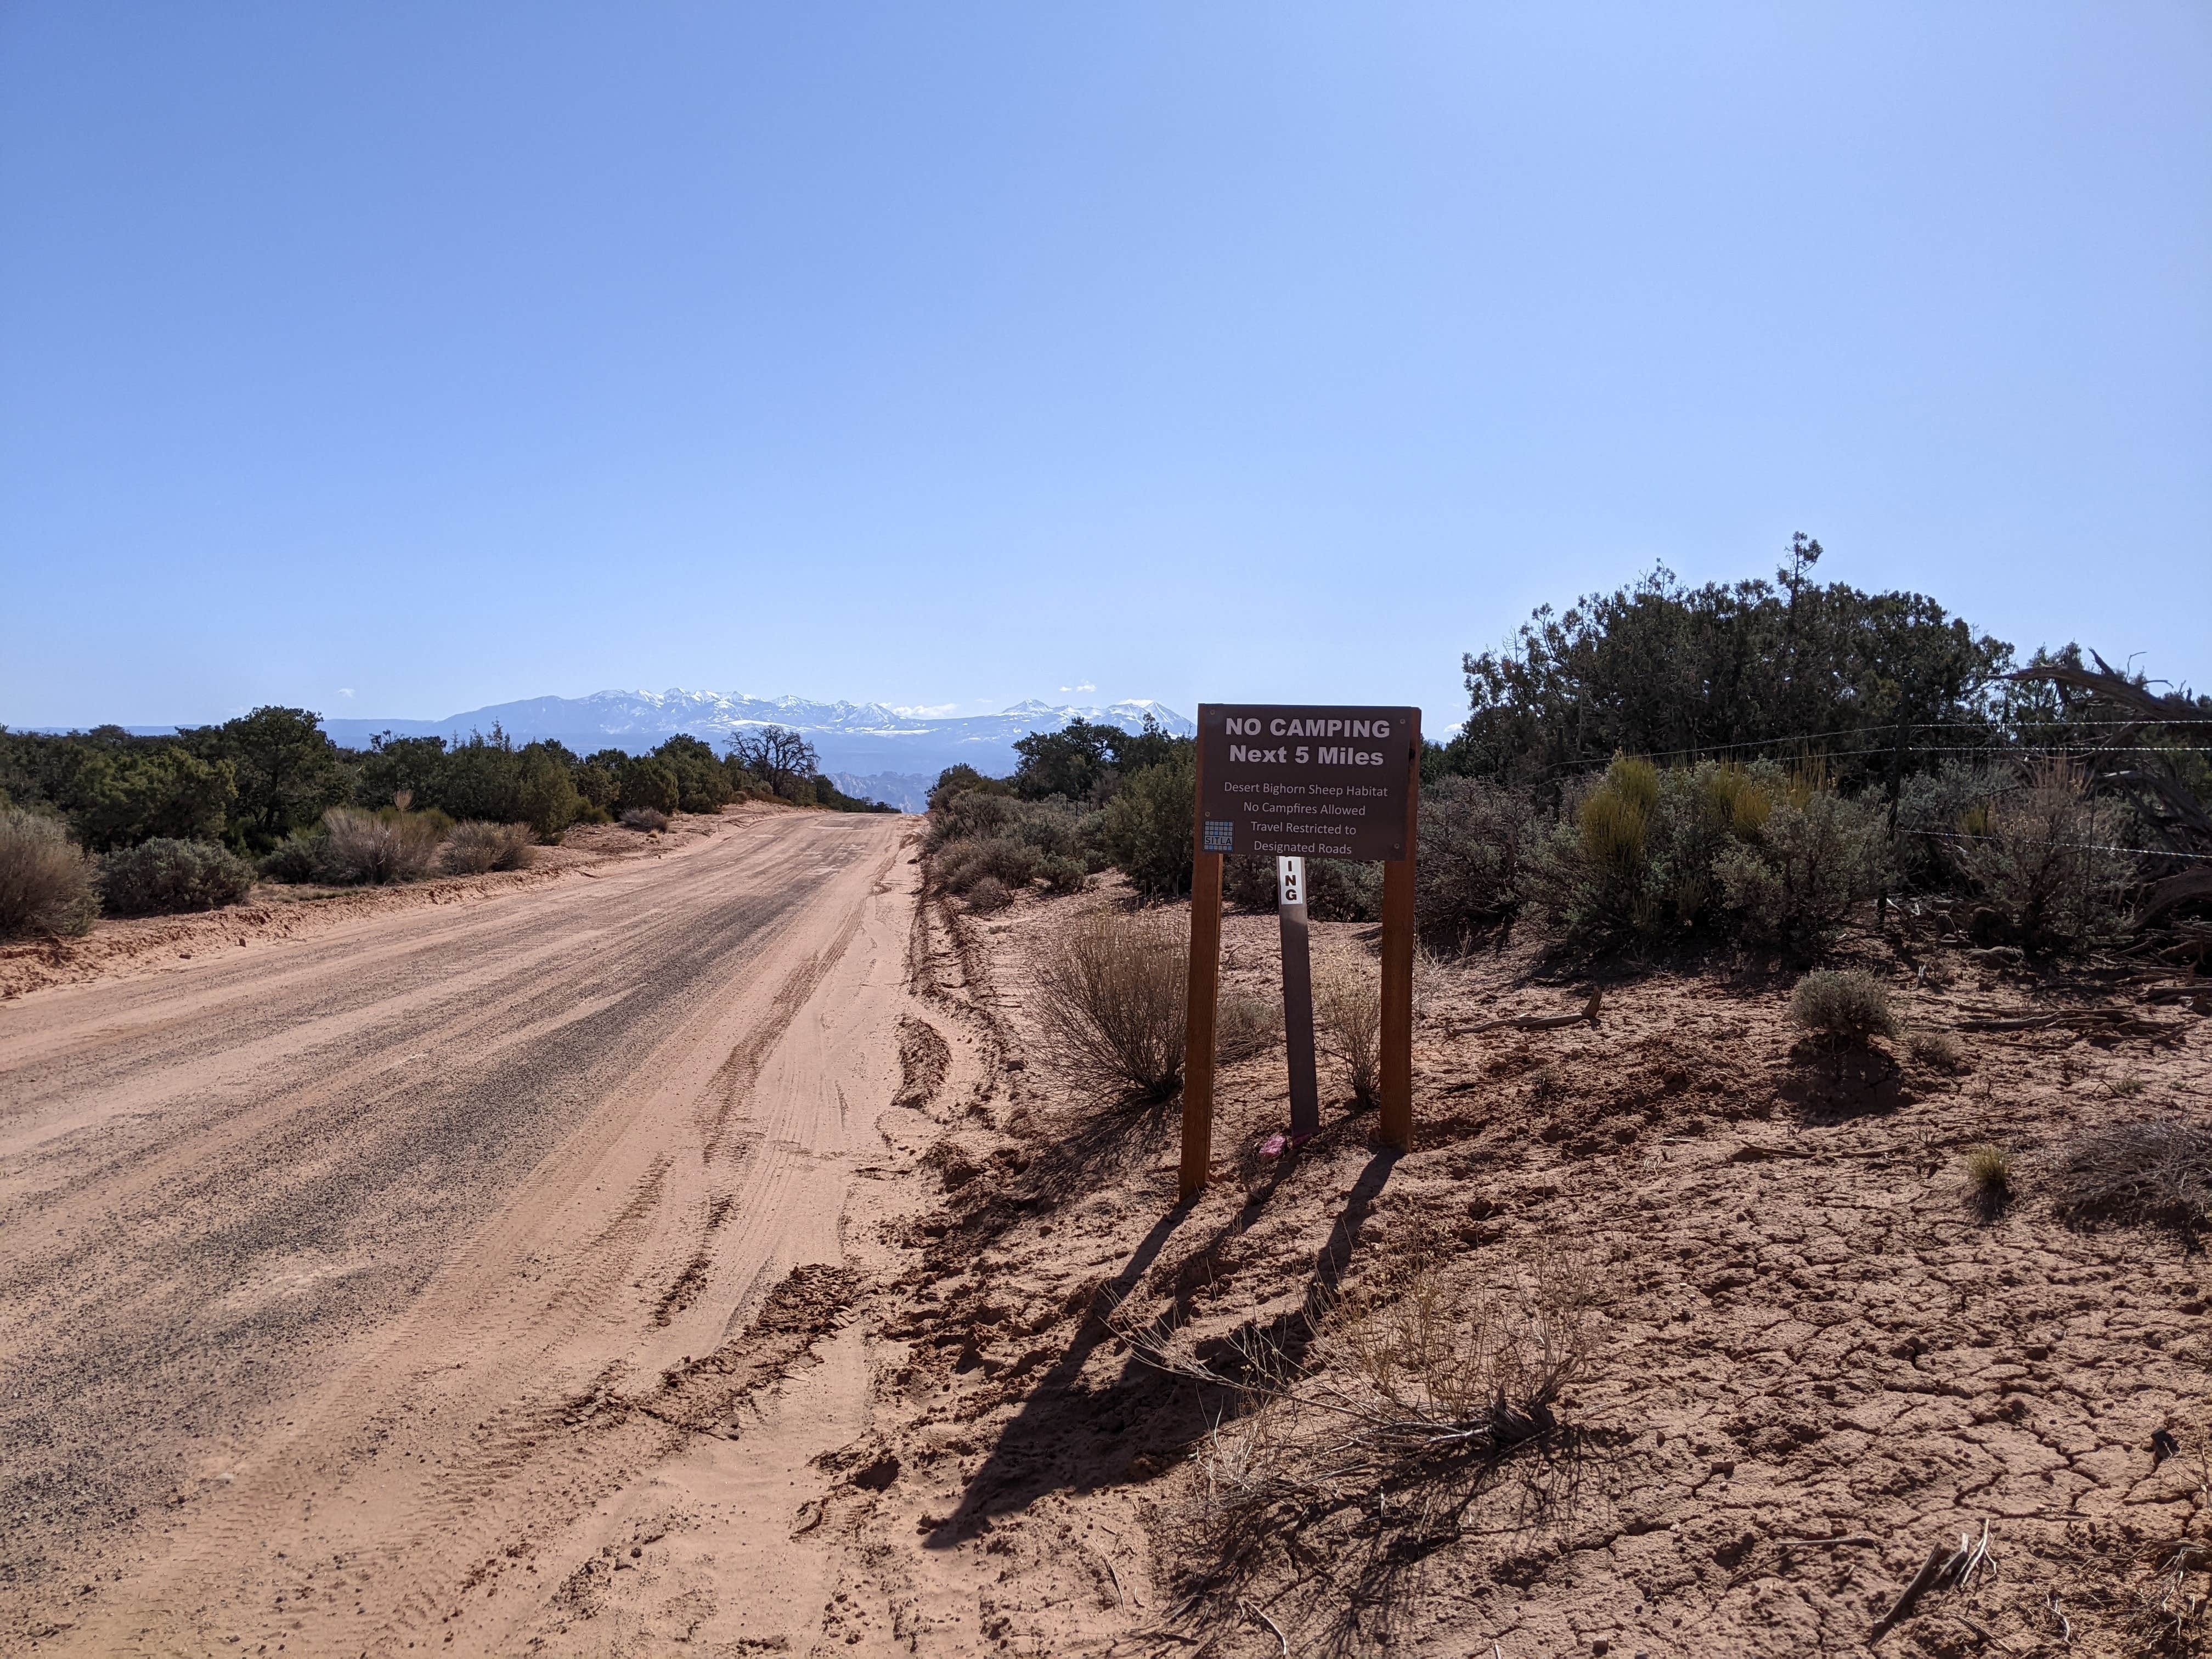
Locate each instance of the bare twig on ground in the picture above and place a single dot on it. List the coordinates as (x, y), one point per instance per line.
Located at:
(1930, 1569)
(1540, 1022)
(1282, 1640)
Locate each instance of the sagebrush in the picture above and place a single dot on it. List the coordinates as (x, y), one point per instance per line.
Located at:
(1646, 856)
(1476, 839)
(1110, 992)
(388, 846)
(165, 875)
(45, 880)
(475, 846)
(1848, 1006)
(1348, 1024)
(2048, 862)
(1246, 1026)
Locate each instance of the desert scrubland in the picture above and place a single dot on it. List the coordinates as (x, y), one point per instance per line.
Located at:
(713, 1249)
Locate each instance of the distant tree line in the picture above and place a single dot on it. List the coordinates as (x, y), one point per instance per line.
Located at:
(251, 781)
(263, 787)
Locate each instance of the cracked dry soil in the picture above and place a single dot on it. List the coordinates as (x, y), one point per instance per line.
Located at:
(1813, 1357)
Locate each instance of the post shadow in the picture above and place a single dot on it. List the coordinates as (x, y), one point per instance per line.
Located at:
(1018, 1466)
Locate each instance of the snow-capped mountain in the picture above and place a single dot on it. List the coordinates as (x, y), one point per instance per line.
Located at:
(866, 742)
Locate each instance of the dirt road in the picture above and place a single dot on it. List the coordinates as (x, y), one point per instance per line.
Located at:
(349, 1288)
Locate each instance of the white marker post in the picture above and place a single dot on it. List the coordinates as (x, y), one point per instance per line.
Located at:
(1297, 999)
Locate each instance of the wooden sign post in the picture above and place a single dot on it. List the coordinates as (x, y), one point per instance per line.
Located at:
(1301, 782)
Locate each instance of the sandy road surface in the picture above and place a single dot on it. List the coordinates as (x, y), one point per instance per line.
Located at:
(346, 1287)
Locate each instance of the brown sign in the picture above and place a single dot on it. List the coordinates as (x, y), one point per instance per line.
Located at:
(1306, 781)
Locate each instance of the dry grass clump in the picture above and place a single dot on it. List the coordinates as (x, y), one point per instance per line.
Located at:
(1938, 1051)
(1989, 1168)
(1110, 994)
(45, 880)
(648, 819)
(1246, 1027)
(379, 846)
(475, 846)
(1433, 1368)
(1348, 1023)
(2156, 1171)
(1347, 1458)
(1849, 1007)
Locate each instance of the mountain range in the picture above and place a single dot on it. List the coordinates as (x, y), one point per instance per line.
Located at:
(868, 750)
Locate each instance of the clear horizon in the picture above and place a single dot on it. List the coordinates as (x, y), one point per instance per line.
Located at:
(397, 364)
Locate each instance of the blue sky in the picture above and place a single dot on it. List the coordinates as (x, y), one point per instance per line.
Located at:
(393, 360)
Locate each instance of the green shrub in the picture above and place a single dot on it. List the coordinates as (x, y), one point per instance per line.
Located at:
(970, 814)
(121, 797)
(1804, 869)
(1931, 809)
(45, 880)
(1064, 875)
(975, 833)
(1632, 859)
(1847, 1007)
(2044, 863)
(476, 847)
(545, 797)
(1054, 828)
(1147, 828)
(1002, 858)
(1711, 850)
(1336, 890)
(962, 779)
(702, 785)
(489, 780)
(1475, 838)
(598, 786)
(390, 846)
(164, 875)
(649, 784)
(300, 857)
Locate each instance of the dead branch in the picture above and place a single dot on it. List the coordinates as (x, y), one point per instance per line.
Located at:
(1539, 1022)
(2115, 1022)
(1283, 1640)
(1923, 1581)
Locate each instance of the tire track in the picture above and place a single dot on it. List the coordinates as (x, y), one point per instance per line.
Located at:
(338, 1270)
